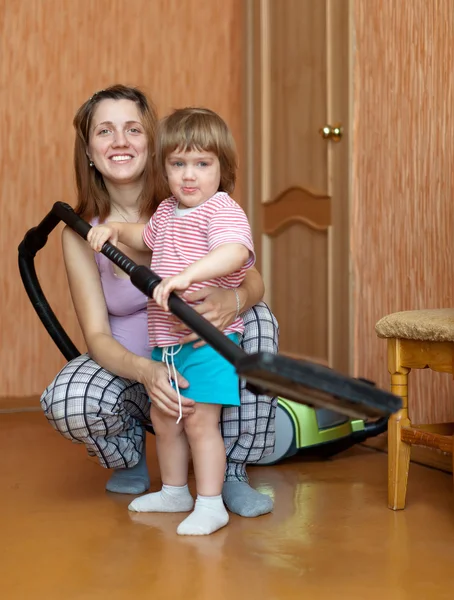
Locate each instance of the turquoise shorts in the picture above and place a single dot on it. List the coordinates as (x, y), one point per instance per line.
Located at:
(212, 379)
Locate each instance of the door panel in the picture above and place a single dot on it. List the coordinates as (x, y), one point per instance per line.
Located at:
(300, 294)
(298, 94)
(299, 67)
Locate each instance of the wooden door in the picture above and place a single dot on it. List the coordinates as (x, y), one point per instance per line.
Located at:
(297, 66)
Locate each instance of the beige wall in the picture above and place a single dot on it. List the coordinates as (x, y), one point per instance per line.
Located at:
(53, 55)
(403, 185)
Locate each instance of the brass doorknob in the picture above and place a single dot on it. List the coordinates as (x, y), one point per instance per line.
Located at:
(331, 132)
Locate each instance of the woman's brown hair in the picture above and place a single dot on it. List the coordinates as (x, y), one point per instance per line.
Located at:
(92, 197)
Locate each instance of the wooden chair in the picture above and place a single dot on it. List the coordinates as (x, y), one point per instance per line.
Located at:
(418, 339)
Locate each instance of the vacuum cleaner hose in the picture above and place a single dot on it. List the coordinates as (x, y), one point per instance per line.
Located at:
(34, 240)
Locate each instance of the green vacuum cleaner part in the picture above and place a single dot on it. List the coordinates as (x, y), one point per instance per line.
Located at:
(307, 429)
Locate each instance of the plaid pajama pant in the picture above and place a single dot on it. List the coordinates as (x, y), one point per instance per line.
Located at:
(108, 414)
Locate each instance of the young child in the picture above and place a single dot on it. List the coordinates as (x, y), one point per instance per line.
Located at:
(199, 237)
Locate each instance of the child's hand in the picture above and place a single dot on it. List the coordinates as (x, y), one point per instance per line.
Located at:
(162, 291)
(100, 234)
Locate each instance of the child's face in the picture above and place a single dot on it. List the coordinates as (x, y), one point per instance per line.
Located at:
(193, 176)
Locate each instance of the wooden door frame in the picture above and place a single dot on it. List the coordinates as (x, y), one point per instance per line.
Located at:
(256, 108)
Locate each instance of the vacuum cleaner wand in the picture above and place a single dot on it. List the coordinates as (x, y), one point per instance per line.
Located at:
(300, 381)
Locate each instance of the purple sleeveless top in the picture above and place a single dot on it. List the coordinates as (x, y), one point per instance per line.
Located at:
(127, 308)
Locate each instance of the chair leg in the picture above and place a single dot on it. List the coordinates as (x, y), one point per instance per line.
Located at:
(398, 451)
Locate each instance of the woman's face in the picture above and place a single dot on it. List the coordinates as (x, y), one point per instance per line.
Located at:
(118, 144)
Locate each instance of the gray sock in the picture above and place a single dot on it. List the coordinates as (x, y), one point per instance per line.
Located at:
(243, 500)
(130, 481)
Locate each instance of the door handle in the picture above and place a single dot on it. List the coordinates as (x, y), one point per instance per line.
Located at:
(332, 132)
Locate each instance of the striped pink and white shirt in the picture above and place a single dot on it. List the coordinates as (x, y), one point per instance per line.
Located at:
(179, 237)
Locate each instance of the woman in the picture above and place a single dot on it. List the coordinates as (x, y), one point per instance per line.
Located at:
(101, 399)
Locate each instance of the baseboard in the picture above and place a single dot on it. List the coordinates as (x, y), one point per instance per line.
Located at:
(10, 404)
(423, 456)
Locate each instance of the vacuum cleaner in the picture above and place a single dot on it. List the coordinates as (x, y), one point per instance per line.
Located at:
(317, 432)
(318, 410)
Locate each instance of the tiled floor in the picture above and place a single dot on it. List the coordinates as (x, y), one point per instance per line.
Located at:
(331, 535)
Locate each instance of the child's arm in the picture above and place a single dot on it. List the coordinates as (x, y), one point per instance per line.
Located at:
(223, 260)
(129, 234)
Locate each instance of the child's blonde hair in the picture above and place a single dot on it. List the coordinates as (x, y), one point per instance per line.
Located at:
(202, 130)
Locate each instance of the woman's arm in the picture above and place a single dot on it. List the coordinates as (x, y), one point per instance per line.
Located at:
(219, 306)
(251, 291)
(90, 306)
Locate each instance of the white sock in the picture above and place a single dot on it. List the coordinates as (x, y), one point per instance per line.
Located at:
(169, 499)
(208, 516)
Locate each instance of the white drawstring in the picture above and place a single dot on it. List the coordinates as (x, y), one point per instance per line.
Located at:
(166, 352)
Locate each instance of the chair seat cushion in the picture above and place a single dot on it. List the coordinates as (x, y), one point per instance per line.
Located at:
(432, 325)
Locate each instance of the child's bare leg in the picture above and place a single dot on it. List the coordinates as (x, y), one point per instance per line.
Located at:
(173, 454)
(208, 457)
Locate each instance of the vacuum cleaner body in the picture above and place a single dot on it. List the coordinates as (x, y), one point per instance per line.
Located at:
(303, 430)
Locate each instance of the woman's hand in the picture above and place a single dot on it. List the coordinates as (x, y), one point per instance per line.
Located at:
(155, 378)
(217, 305)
